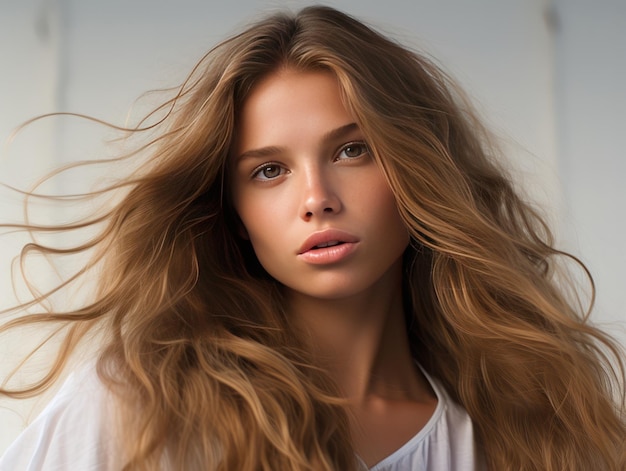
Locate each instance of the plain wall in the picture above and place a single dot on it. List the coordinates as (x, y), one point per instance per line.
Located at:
(590, 104)
(546, 76)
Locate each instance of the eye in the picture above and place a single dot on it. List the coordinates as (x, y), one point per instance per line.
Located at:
(268, 172)
(352, 150)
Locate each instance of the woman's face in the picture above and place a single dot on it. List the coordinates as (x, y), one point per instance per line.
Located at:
(316, 207)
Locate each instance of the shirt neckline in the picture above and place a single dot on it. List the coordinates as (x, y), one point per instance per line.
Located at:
(424, 432)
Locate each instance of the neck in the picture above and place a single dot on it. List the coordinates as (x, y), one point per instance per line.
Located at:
(361, 341)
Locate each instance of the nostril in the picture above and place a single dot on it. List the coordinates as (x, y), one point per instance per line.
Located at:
(328, 210)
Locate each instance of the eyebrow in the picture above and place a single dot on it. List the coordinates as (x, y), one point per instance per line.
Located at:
(273, 150)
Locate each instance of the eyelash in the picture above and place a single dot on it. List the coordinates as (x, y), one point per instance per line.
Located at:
(257, 171)
(364, 150)
(362, 144)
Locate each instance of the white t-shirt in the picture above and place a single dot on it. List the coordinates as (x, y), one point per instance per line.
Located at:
(446, 442)
(76, 432)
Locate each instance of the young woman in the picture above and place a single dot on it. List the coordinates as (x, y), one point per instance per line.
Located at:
(322, 267)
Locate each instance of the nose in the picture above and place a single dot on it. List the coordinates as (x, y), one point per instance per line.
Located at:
(319, 195)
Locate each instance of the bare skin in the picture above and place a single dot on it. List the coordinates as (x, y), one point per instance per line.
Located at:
(363, 343)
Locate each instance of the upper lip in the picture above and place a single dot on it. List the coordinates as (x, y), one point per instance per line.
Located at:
(324, 237)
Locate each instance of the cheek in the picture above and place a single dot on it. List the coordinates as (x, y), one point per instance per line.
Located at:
(381, 202)
(264, 213)
(252, 218)
(246, 226)
(251, 228)
(247, 212)
(258, 223)
(379, 197)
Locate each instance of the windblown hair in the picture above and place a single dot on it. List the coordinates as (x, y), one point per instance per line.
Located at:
(197, 344)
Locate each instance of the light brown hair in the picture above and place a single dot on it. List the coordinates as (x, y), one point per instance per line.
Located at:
(197, 346)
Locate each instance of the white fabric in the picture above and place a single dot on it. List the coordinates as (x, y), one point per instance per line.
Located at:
(75, 432)
(446, 442)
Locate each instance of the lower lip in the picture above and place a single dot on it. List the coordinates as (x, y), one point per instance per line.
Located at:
(328, 255)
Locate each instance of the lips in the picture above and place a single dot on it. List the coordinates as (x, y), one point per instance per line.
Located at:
(332, 243)
(325, 239)
(327, 247)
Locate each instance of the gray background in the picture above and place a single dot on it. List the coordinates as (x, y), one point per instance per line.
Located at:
(547, 76)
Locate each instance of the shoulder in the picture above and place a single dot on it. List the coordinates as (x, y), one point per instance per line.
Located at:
(74, 431)
(445, 442)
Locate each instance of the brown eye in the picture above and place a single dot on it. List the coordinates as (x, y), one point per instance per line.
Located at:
(353, 150)
(271, 171)
(268, 172)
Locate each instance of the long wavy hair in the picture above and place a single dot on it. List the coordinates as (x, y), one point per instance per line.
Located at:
(207, 370)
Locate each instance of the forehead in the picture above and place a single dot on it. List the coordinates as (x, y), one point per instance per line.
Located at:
(287, 104)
